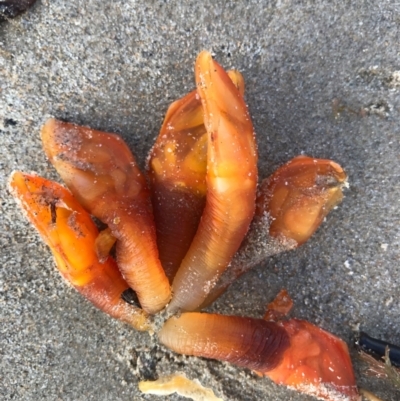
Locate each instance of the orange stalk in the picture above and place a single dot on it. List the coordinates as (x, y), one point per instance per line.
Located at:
(177, 171)
(291, 204)
(70, 233)
(231, 186)
(101, 172)
(294, 353)
(247, 342)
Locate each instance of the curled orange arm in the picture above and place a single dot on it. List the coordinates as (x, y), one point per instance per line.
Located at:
(101, 172)
(231, 186)
(70, 233)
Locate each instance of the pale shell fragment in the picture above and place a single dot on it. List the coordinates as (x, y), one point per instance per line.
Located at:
(180, 384)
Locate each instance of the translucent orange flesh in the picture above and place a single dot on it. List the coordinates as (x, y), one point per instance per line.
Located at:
(279, 307)
(294, 353)
(104, 243)
(70, 233)
(252, 343)
(291, 204)
(299, 195)
(231, 186)
(317, 363)
(237, 79)
(101, 172)
(177, 171)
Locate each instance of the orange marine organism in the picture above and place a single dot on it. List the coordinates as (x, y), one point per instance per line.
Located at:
(102, 174)
(291, 352)
(231, 180)
(70, 233)
(177, 172)
(187, 229)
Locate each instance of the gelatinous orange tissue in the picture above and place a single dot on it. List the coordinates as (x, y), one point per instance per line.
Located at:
(186, 229)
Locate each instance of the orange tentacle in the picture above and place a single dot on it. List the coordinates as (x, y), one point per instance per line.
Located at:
(291, 204)
(177, 171)
(247, 342)
(70, 233)
(294, 353)
(102, 174)
(231, 186)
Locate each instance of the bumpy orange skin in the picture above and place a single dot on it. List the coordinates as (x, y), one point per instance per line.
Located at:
(70, 233)
(231, 186)
(101, 172)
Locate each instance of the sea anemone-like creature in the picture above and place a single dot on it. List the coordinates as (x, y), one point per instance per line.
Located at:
(184, 232)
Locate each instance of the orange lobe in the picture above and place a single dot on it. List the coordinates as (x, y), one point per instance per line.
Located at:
(299, 195)
(317, 363)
